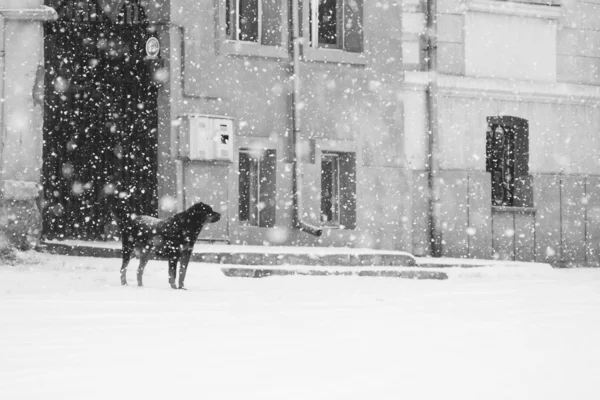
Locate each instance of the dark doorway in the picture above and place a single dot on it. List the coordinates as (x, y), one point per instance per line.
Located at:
(100, 118)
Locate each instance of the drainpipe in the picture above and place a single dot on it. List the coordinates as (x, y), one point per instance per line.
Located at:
(432, 119)
(2, 102)
(294, 53)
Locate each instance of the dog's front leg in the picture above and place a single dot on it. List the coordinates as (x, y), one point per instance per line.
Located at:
(172, 272)
(126, 257)
(140, 272)
(183, 264)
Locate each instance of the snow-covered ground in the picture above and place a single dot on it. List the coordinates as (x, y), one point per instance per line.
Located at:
(69, 331)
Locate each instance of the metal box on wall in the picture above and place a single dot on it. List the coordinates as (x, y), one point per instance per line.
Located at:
(206, 137)
(200, 139)
(222, 130)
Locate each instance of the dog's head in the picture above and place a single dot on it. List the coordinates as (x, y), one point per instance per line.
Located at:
(203, 213)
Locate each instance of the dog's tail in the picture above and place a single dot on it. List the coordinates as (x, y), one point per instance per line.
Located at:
(119, 204)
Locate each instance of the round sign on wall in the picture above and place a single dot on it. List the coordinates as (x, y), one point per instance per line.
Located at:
(152, 47)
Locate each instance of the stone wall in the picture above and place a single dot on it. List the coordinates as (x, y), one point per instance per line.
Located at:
(21, 120)
(20, 214)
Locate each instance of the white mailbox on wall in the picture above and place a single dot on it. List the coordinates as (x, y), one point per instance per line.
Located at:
(223, 137)
(206, 137)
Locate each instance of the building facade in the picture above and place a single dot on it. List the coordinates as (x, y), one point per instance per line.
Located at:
(21, 119)
(322, 118)
(462, 128)
(516, 122)
(285, 116)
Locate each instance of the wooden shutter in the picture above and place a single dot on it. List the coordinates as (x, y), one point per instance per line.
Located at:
(244, 182)
(353, 25)
(523, 194)
(521, 129)
(348, 190)
(268, 187)
(523, 183)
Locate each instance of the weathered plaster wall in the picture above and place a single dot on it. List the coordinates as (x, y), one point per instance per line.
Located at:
(562, 134)
(24, 104)
(488, 62)
(22, 119)
(20, 4)
(563, 163)
(578, 46)
(344, 106)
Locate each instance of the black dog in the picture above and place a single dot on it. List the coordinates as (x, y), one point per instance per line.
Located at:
(172, 239)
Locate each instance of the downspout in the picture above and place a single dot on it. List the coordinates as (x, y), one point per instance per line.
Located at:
(2, 102)
(432, 120)
(294, 43)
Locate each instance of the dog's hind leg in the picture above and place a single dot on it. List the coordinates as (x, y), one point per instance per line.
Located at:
(183, 264)
(172, 272)
(140, 272)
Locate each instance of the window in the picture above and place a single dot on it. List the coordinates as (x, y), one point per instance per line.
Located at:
(243, 20)
(507, 160)
(336, 24)
(254, 21)
(338, 190)
(257, 187)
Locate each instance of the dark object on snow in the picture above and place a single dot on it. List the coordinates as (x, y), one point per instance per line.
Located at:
(170, 239)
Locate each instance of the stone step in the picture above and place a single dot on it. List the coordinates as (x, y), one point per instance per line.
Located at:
(412, 273)
(259, 256)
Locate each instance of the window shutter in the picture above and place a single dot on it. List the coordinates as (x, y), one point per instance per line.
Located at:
(521, 148)
(271, 23)
(523, 182)
(348, 190)
(353, 25)
(268, 177)
(244, 183)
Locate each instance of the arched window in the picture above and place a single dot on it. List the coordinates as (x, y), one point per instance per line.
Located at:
(507, 160)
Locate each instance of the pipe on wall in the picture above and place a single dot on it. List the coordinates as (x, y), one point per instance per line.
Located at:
(294, 50)
(2, 102)
(433, 131)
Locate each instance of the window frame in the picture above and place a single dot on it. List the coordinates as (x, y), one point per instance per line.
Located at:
(328, 54)
(228, 46)
(314, 27)
(235, 36)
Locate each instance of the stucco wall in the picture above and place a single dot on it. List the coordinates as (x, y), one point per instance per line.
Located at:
(563, 48)
(20, 4)
(479, 43)
(563, 162)
(562, 136)
(354, 107)
(24, 107)
(578, 44)
(22, 119)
